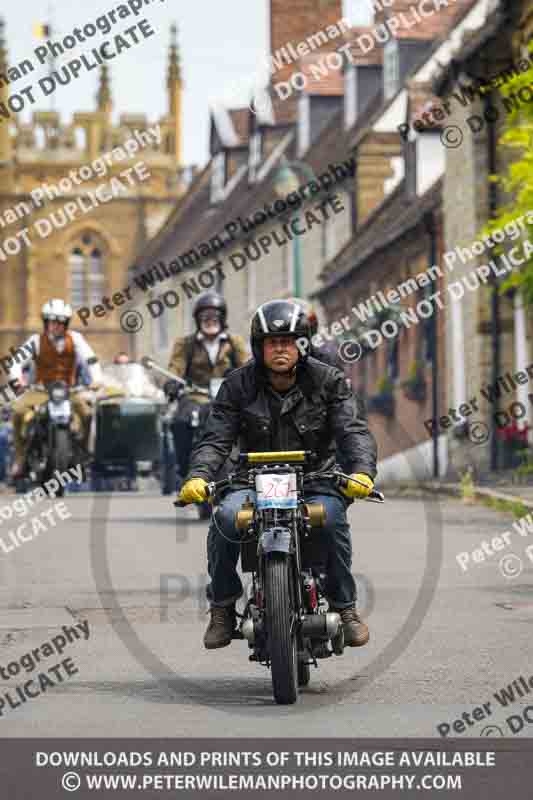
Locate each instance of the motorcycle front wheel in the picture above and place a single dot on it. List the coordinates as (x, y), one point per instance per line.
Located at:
(282, 642)
(61, 457)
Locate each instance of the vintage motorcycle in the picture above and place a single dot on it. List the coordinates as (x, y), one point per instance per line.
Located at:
(285, 620)
(175, 464)
(53, 439)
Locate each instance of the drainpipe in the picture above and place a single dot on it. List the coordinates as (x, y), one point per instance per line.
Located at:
(495, 300)
(432, 255)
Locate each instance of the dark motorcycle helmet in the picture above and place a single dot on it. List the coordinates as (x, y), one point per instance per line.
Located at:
(310, 313)
(210, 300)
(279, 318)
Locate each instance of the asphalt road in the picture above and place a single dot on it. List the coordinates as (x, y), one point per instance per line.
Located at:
(442, 640)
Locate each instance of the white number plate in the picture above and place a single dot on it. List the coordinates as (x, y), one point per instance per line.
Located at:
(276, 491)
(60, 410)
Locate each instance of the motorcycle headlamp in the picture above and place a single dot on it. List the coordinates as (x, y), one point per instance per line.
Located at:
(58, 394)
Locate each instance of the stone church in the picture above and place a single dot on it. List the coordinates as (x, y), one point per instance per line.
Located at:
(62, 234)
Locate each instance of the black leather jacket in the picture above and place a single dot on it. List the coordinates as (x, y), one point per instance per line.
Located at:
(318, 412)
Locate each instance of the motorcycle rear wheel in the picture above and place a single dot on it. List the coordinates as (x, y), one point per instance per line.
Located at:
(281, 634)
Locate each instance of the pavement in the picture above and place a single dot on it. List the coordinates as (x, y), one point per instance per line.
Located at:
(499, 486)
(443, 640)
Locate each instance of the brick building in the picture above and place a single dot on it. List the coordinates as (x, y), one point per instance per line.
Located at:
(488, 333)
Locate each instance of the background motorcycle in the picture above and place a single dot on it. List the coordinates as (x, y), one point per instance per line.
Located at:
(285, 620)
(175, 464)
(53, 440)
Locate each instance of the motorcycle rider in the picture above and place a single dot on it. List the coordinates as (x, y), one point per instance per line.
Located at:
(57, 355)
(283, 400)
(208, 353)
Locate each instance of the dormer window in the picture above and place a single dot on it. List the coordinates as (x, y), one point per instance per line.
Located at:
(391, 69)
(218, 177)
(254, 158)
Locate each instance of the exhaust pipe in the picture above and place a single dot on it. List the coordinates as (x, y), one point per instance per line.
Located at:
(323, 626)
(250, 628)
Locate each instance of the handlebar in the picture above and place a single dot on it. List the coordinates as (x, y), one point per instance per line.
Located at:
(149, 364)
(340, 478)
(40, 387)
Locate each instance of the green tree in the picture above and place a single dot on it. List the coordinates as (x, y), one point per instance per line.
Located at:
(517, 181)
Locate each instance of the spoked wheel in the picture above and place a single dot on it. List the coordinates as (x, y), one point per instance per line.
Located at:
(281, 630)
(304, 674)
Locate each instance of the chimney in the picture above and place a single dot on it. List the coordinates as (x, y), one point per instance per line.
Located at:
(300, 26)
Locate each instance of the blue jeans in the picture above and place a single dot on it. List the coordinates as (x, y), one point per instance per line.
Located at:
(223, 551)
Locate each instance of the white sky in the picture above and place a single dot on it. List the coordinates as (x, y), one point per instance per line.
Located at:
(220, 44)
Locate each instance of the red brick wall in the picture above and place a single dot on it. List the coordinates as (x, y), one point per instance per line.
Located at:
(404, 258)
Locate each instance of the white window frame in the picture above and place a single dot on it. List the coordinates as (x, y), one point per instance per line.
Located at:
(218, 177)
(304, 124)
(350, 96)
(391, 68)
(254, 158)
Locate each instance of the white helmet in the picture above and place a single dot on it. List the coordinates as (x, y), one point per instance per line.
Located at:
(56, 310)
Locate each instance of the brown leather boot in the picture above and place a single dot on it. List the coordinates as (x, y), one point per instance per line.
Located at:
(356, 633)
(219, 632)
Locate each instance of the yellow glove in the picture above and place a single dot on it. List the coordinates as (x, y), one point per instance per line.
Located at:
(194, 491)
(355, 489)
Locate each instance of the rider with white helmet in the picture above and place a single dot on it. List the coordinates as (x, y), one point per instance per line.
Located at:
(56, 354)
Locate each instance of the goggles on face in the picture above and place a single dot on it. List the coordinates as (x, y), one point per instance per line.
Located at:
(210, 316)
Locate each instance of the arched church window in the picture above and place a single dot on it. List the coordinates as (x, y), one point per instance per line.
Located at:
(87, 271)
